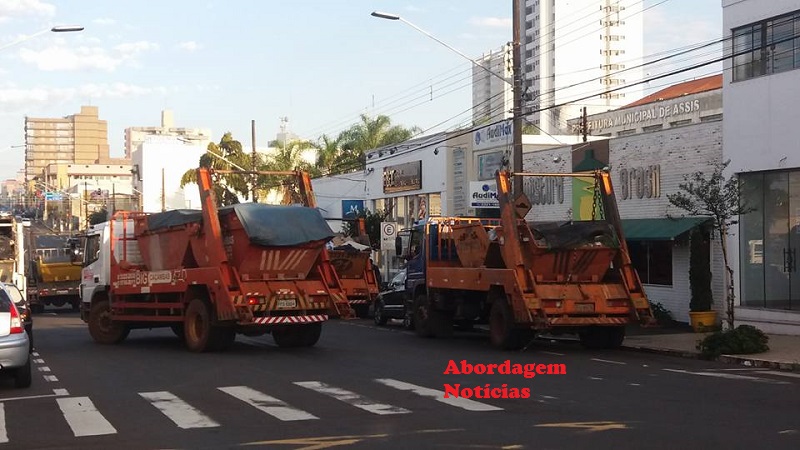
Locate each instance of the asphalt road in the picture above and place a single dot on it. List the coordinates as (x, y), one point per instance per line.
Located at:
(367, 387)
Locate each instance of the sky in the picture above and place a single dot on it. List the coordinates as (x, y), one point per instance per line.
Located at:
(320, 63)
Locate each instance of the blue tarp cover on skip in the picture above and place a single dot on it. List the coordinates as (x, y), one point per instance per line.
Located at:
(267, 225)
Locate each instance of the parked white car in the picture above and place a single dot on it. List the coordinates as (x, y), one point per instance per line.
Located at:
(15, 349)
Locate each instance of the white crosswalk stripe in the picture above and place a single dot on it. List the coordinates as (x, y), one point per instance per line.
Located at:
(83, 417)
(183, 414)
(463, 403)
(270, 405)
(352, 398)
(3, 432)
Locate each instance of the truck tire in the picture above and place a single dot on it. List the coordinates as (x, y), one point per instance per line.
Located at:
(503, 332)
(361, 310)
(37, 308)
(430, 322)
(102, 328)
(615, 337)
(297, 335)
(197, 326)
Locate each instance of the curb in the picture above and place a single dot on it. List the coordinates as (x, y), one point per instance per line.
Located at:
(728, 359)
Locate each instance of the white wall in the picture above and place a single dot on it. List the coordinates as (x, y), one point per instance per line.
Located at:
(434, 170)
(759, 133)
(175, 158)
(330, 191)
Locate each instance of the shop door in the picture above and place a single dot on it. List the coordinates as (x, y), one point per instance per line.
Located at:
(782, 240)
(793, 250)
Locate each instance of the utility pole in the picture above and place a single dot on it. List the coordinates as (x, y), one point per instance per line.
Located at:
(253, 165)
(584, 124)
(163, 193)
(86, 201)
(519, 103)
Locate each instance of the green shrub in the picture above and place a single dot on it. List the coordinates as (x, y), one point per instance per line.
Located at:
(742, 340)
(662, 315)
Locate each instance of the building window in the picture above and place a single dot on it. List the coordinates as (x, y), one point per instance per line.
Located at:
(652, 260)
(653, 128)
(766, 47)
(679, 123)
(711, 118)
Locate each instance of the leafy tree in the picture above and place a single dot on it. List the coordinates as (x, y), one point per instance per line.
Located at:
(227, 187)
(717, 197)
(328, 151)
(366, 135)
(286, 156)
(372, 222)
(98, 217)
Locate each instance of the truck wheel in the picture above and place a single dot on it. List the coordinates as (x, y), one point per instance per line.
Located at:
(197, 326)
(310, 334)
(428, 321)
(37, 308)
(502, 330)
(102, 328)
(422, 320)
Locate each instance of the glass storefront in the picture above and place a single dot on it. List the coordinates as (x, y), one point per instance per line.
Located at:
(405, 211)
(769, 240)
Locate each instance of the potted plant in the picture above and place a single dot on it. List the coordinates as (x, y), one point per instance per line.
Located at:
(701, 316)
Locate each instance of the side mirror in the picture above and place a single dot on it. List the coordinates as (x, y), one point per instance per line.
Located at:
(398, 246)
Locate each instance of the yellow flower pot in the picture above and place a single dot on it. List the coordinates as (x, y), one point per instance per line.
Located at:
(703, 321)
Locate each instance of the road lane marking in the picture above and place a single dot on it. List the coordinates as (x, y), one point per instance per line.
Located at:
(60, 392)
(83, 417)
(38, 361)
(634, 384)
(35, 354)
(782, 374)
(44, 369)
(549, 397)
(352, 398)
(270, 405)
(459, 402)
(552, 353)
(729, 376)
(319, 443)
(589, 427)
(3, 433)
(51, 378)
(183, 414)
(608, 361)
(595, 378)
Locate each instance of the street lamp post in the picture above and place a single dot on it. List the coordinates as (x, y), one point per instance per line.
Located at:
(516, 85)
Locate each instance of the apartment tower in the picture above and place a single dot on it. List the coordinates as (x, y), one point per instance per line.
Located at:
(577, 49)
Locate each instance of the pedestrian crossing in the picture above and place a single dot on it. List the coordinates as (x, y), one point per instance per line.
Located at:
(85, 418)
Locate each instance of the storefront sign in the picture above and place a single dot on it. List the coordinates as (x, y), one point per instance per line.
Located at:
(640, 182)
(544, 190)
(489, 164)
(402, 177)
(483, 194)
(493, 135)
(352, 208)
(459, 181)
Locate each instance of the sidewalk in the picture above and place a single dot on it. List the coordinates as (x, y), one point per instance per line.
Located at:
(783, 354)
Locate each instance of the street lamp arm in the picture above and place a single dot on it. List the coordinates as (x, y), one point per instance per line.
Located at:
(56, 29)
(388, 16)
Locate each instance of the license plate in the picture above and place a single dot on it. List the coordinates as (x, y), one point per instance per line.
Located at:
(287, 303)
(62, 292)
(584, 307)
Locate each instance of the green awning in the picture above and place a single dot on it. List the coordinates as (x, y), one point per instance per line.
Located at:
(659, 229)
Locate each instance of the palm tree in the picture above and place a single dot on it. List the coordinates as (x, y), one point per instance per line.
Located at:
(286, 156)
(367, 135)
(328, 152)
(227, 187)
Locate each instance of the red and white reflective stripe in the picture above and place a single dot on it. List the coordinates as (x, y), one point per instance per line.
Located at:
(291, 319)
(355, 302)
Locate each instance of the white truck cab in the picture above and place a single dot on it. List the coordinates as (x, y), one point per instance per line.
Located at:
(96, 273)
